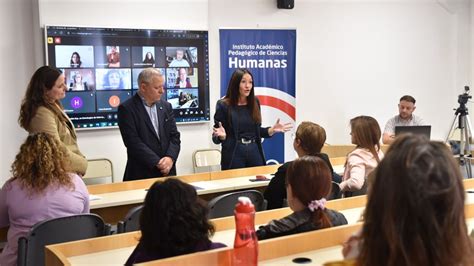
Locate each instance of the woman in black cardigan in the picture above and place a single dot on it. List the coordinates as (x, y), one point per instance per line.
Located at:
(238, 124)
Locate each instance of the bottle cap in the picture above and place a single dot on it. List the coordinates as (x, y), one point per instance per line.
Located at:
(244, 205)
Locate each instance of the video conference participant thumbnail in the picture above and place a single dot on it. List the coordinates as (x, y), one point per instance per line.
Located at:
(183, 98)
(182, 77)
(112, 56)
(74, 56)
(80, 79)
(113, 79)
(137, 71)
(148, 56)
(79, 102)
(181, 56)
(108, 101)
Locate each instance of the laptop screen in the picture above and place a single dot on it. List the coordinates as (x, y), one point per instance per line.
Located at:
(419, 130)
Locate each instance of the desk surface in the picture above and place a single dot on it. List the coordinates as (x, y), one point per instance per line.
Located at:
(321, 256)
(353, 215)
(134, 196)
(318, 257)
(119, 256)
(349, 207)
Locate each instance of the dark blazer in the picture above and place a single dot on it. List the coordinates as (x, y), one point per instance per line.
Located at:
(276, 189)
(144, 149)
(223, 113)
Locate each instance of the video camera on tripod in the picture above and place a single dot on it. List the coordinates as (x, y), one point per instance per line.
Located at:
(461, 116)
(464, 98)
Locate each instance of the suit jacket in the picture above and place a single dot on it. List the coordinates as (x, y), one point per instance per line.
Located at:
(232, 131)
(144, 149)
(47, 121)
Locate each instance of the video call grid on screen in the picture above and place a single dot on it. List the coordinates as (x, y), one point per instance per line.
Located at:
(101, 67)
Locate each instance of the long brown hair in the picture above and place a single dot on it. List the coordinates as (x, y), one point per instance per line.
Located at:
(366, 133)
(415, 208)
(232, 96)
(40, 163)
(42, 81)
(310, 179)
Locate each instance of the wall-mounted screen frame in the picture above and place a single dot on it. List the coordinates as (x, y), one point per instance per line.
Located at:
(101, 67)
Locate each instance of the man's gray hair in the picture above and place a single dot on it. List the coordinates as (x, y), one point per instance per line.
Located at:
(147, 75)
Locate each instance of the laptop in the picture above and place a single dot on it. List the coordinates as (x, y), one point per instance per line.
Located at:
(417, 130)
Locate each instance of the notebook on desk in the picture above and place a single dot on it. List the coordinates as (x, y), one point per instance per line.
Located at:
(418, 130)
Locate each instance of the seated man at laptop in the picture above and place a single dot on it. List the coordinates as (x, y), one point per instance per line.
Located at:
(406, 107)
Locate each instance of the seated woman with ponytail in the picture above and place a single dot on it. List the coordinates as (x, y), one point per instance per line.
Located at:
(308, 182)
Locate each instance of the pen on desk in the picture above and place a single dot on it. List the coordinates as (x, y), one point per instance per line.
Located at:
(470, 191)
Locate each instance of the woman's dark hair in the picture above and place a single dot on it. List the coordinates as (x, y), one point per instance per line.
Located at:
(42, 81)
(174, 220)
(232, 96)
(415, 208)
(150, 60)
(366, 133)
(310, 179)
(78, 63)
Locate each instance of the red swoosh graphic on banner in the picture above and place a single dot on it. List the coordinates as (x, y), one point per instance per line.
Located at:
(278, 104)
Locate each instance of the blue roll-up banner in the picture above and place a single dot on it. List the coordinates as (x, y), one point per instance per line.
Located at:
(271, 57)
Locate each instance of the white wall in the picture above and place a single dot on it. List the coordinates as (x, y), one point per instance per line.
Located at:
(354, 57)
(359, 57)
(17, 51)
(148, 14)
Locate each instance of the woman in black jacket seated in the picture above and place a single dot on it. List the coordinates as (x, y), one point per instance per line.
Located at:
(308, 183)
(308, 140)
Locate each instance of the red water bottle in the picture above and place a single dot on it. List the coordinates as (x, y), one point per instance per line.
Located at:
(245, 243)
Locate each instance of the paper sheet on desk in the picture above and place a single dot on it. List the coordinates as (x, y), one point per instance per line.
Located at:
(94, 197)
(204, 185)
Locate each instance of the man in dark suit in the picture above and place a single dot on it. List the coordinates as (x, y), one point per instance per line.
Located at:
(149, 130)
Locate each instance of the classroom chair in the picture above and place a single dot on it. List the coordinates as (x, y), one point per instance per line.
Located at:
(99, 171)
(224, 205)
(206, 160)
(131, 222)
(58, 230)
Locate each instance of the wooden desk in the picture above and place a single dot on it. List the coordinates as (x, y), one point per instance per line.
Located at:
(118, 198)
(116, 213)
(321, 246)
(121, 246)
(341, 150)
(122, 210)
(114, 250)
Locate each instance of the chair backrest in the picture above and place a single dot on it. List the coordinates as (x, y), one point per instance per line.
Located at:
(99, 171)
(131, 222)
(57, 230)
(207, 160)
(335, 191)
(224, 205)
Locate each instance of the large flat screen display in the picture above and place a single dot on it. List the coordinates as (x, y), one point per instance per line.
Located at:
(101, 66)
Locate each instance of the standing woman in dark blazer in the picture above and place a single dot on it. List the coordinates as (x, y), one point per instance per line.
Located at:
(42, 111)
(238, 124)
